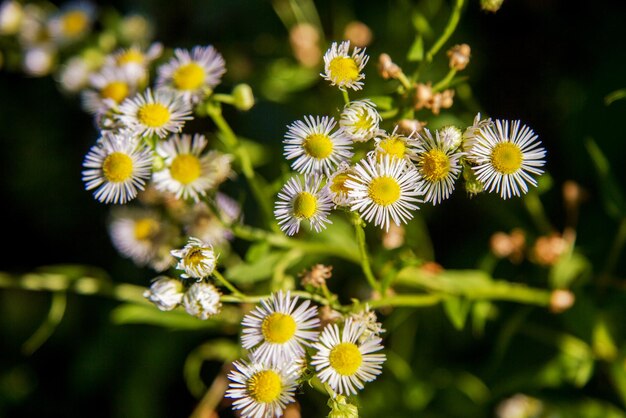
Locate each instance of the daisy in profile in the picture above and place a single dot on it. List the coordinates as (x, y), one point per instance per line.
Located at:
(302, 201)
(279, 328)
(313, 147)
(154, 113)
(72, 22)
(344, 360)
(395, 146)
(385, 190)
(260, 390)
(187, 173)
(138, 234)
(109, 87)
(197, 259)
(135, 60)
(360, 120)
(342, 69)
(194, 74)
(506, 156)
(117, 167)
(339, 193)
(471, 134)
(438, 164)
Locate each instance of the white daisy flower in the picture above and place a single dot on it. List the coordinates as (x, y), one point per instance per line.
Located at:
(438, 164)
(73, 22)
(117, 167)
(143, 236)
(360, 120)
(74, 74)
(193, 74)
(260, 390)
(339, 193)
(203, 223)
(507, 155)
(109, 87)
(471, 134)
(197, 259)
(385, 190)
(302, 200)
(278, 329)
(11, 16)
(342, 69)
(313, 148)
(395, 146)
(166, 293)
(135, 61)
(154, 113)
(345, 362)
(39, 61)
(187, 173)
(202, 300)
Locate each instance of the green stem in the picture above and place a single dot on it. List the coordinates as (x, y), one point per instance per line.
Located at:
(404, 80)
(365, 261)
(223, 98)
(417, 300)
(346, 97)
(616, 248)
(227, 284)
(445, 81)
(535, 209)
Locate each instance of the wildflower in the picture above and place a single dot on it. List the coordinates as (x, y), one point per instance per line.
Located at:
(109, 87)
(74, 74)
(459, 56)
(439, 166)
(394, 237)
(384, 190)
(423, 96)
(360, 120)
(507, 155)
(395, 145)
(197, 259)
(135, 60)
(451, 137)
(139, 235)
(193, 74)
(39, 60)
(187, 173)
(342, 69)
(261, 390)
(73, 22)
(337, 184)
(313, 147)
(202, 300)
(117, 167)
(243, 97)
(345, 363)
(302, 200)
(368, 320)
(166, 293)
(279, 328)
(154, 113)
(471, 134)
(11, 15)
(509, 246)
(317, 275)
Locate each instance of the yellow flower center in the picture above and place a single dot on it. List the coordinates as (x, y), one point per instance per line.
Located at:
(506, 157)
(338, 185)
(343, 70)
(195, 257)
(304, 205)
(393, 146)
(186, 168)
(265, 386)
(345, 358)
(131, 56)
(278, 328)
(189, 76)
(145, 229)
(435, 165)
(117, 167)
(153, 115)
(384, 190)
(318, 146)
(115, 90)
(364, 122)
(74, 23)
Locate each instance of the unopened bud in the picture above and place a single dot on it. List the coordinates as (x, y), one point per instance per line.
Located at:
(394, 237)
(340, 408)
(317, 275)
(244, 97)
(423, 95)
(472, 184)
(573, 194)
(451, 136)
(358, 33)
(548, 249)
(202, 300)
(166, 293)
(561, 300)
(408, 127)
(387, 68)
(459, 56)
(491, 5)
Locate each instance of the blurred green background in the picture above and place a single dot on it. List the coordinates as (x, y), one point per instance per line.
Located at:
(549, 63)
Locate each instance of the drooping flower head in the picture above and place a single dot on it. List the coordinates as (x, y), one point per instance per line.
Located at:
(342, 69)
(303, 200)
(197, 259)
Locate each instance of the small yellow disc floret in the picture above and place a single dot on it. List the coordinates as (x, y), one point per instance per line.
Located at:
(384, 190)
(506, 158)
(304, 205)
(265, 386)
(345, 358)
(318, 146)
(278, 328)
(435, 165)
(117, 167)
(189, 76)
(186, 168)
(153, 115)
(343, 70)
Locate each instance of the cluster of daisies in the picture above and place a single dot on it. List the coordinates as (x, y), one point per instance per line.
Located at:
(286, 349)
(398, 170)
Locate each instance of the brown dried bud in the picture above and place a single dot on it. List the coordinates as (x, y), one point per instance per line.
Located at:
(573, 194)
(423, 96)
(509, 246)
(447, 98)
(548, 249)
(408, 127)
(387, 68)
(394, 237)
(304, 39)
(358, 33)
(459, 56)
(432, 268)
(561, 300)
(317, 276)
(328, 315)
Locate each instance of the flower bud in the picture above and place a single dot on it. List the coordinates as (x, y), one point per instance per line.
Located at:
(561, 300)
(166, 293)
(451, 136)
(491, 5)
(244, 98)
(340, 408)
(317, 275)
(459, 56)
(358, 33)
(387, 68)
(202, 300)
(408, 127)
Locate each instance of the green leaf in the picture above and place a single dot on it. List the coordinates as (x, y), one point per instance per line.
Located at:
(259, 155)
(617, 371)
(340, 234)
(261, 269)
(382, 102)
(611, 193)
(569, 269)
(416, 52)
(148, 314)
(284, 77)
(614, 96)
(457, 310)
